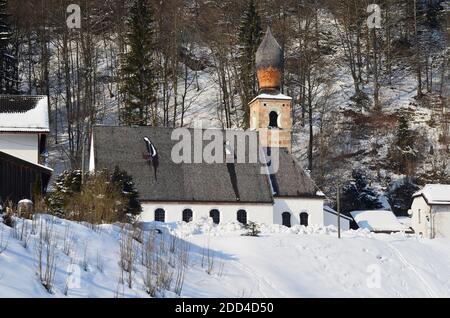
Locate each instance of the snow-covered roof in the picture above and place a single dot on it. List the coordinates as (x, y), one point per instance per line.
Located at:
(332, 211)
(378, 221)
(272, 96)
(435, 193)
(24, 114)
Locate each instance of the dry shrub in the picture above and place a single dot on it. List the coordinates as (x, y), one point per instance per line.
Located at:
(46, 248)
(25, 209)
(127, 254)
(3, 242)
(100, 201)
(8, 216)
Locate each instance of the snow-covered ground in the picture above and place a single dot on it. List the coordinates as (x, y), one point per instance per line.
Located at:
(282, 262)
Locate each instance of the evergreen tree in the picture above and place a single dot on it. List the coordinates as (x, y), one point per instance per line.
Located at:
(358, 195)
(249, 40)
(66, 185)
(129, 192)
(403, 153)
(8, 63)
(138, 71)
(400, 196)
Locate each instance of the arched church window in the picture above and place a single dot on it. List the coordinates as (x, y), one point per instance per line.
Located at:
(304, 219)
(160, 215)
(242, 216)
(215, 215)
(273, 119)
(286, 218)
(187, 215)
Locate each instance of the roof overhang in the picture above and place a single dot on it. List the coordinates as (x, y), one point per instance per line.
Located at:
(32, 165)
(24, 130)
(429, 202)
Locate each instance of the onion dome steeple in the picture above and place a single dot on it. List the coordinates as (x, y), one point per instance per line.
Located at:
(269, 64)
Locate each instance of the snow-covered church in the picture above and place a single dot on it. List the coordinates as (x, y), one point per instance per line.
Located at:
(225, 190)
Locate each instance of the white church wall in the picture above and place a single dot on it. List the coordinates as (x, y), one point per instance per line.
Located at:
(420, 210)
(295, 206)
(332, 219)
(260, 213)
(23, 146)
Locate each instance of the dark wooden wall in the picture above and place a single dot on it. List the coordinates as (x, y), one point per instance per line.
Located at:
(17, 178)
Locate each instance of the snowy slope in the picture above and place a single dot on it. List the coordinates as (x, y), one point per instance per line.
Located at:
(283, 262)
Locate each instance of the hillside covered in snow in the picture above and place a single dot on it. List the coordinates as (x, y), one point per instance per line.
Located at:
(200, 259)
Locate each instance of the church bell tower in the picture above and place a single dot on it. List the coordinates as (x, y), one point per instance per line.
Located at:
(271, 111)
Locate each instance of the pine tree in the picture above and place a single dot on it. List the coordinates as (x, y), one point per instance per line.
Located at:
(129, 192)
(8, 63)
(138, 71)
(403, 153)
(66, 186)
(400, 195)
(249, 40)
(358, 195)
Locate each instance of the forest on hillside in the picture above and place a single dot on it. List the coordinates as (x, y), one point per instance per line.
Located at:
(370, 105)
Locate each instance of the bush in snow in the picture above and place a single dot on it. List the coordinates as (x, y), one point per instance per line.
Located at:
(66, 186)
(125, 182)
(8, 215)
(3, 241)
(252, 229)
(358, 195)
(46, 248)
(117, 187)
(100, 201)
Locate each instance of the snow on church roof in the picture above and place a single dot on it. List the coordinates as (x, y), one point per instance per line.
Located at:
(378, 221)
(272, 96)
(23, 114)
(435, 193)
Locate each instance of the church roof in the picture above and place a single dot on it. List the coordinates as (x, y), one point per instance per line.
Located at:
(194, 182)
(24, 114)
(291, 180)
(269, 52)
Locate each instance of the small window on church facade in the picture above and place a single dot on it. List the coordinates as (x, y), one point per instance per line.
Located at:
(242, 216)
(286, 217)
(273, 119)
(304, 219)
(160, 215)
(187, 215)
(215, 215)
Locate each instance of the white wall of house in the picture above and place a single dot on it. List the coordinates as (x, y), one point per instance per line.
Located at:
(420, 211)
(260, 213)
(295, 206)
(24, 146)
(332, 219)
(421, 216)
(441, 215)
